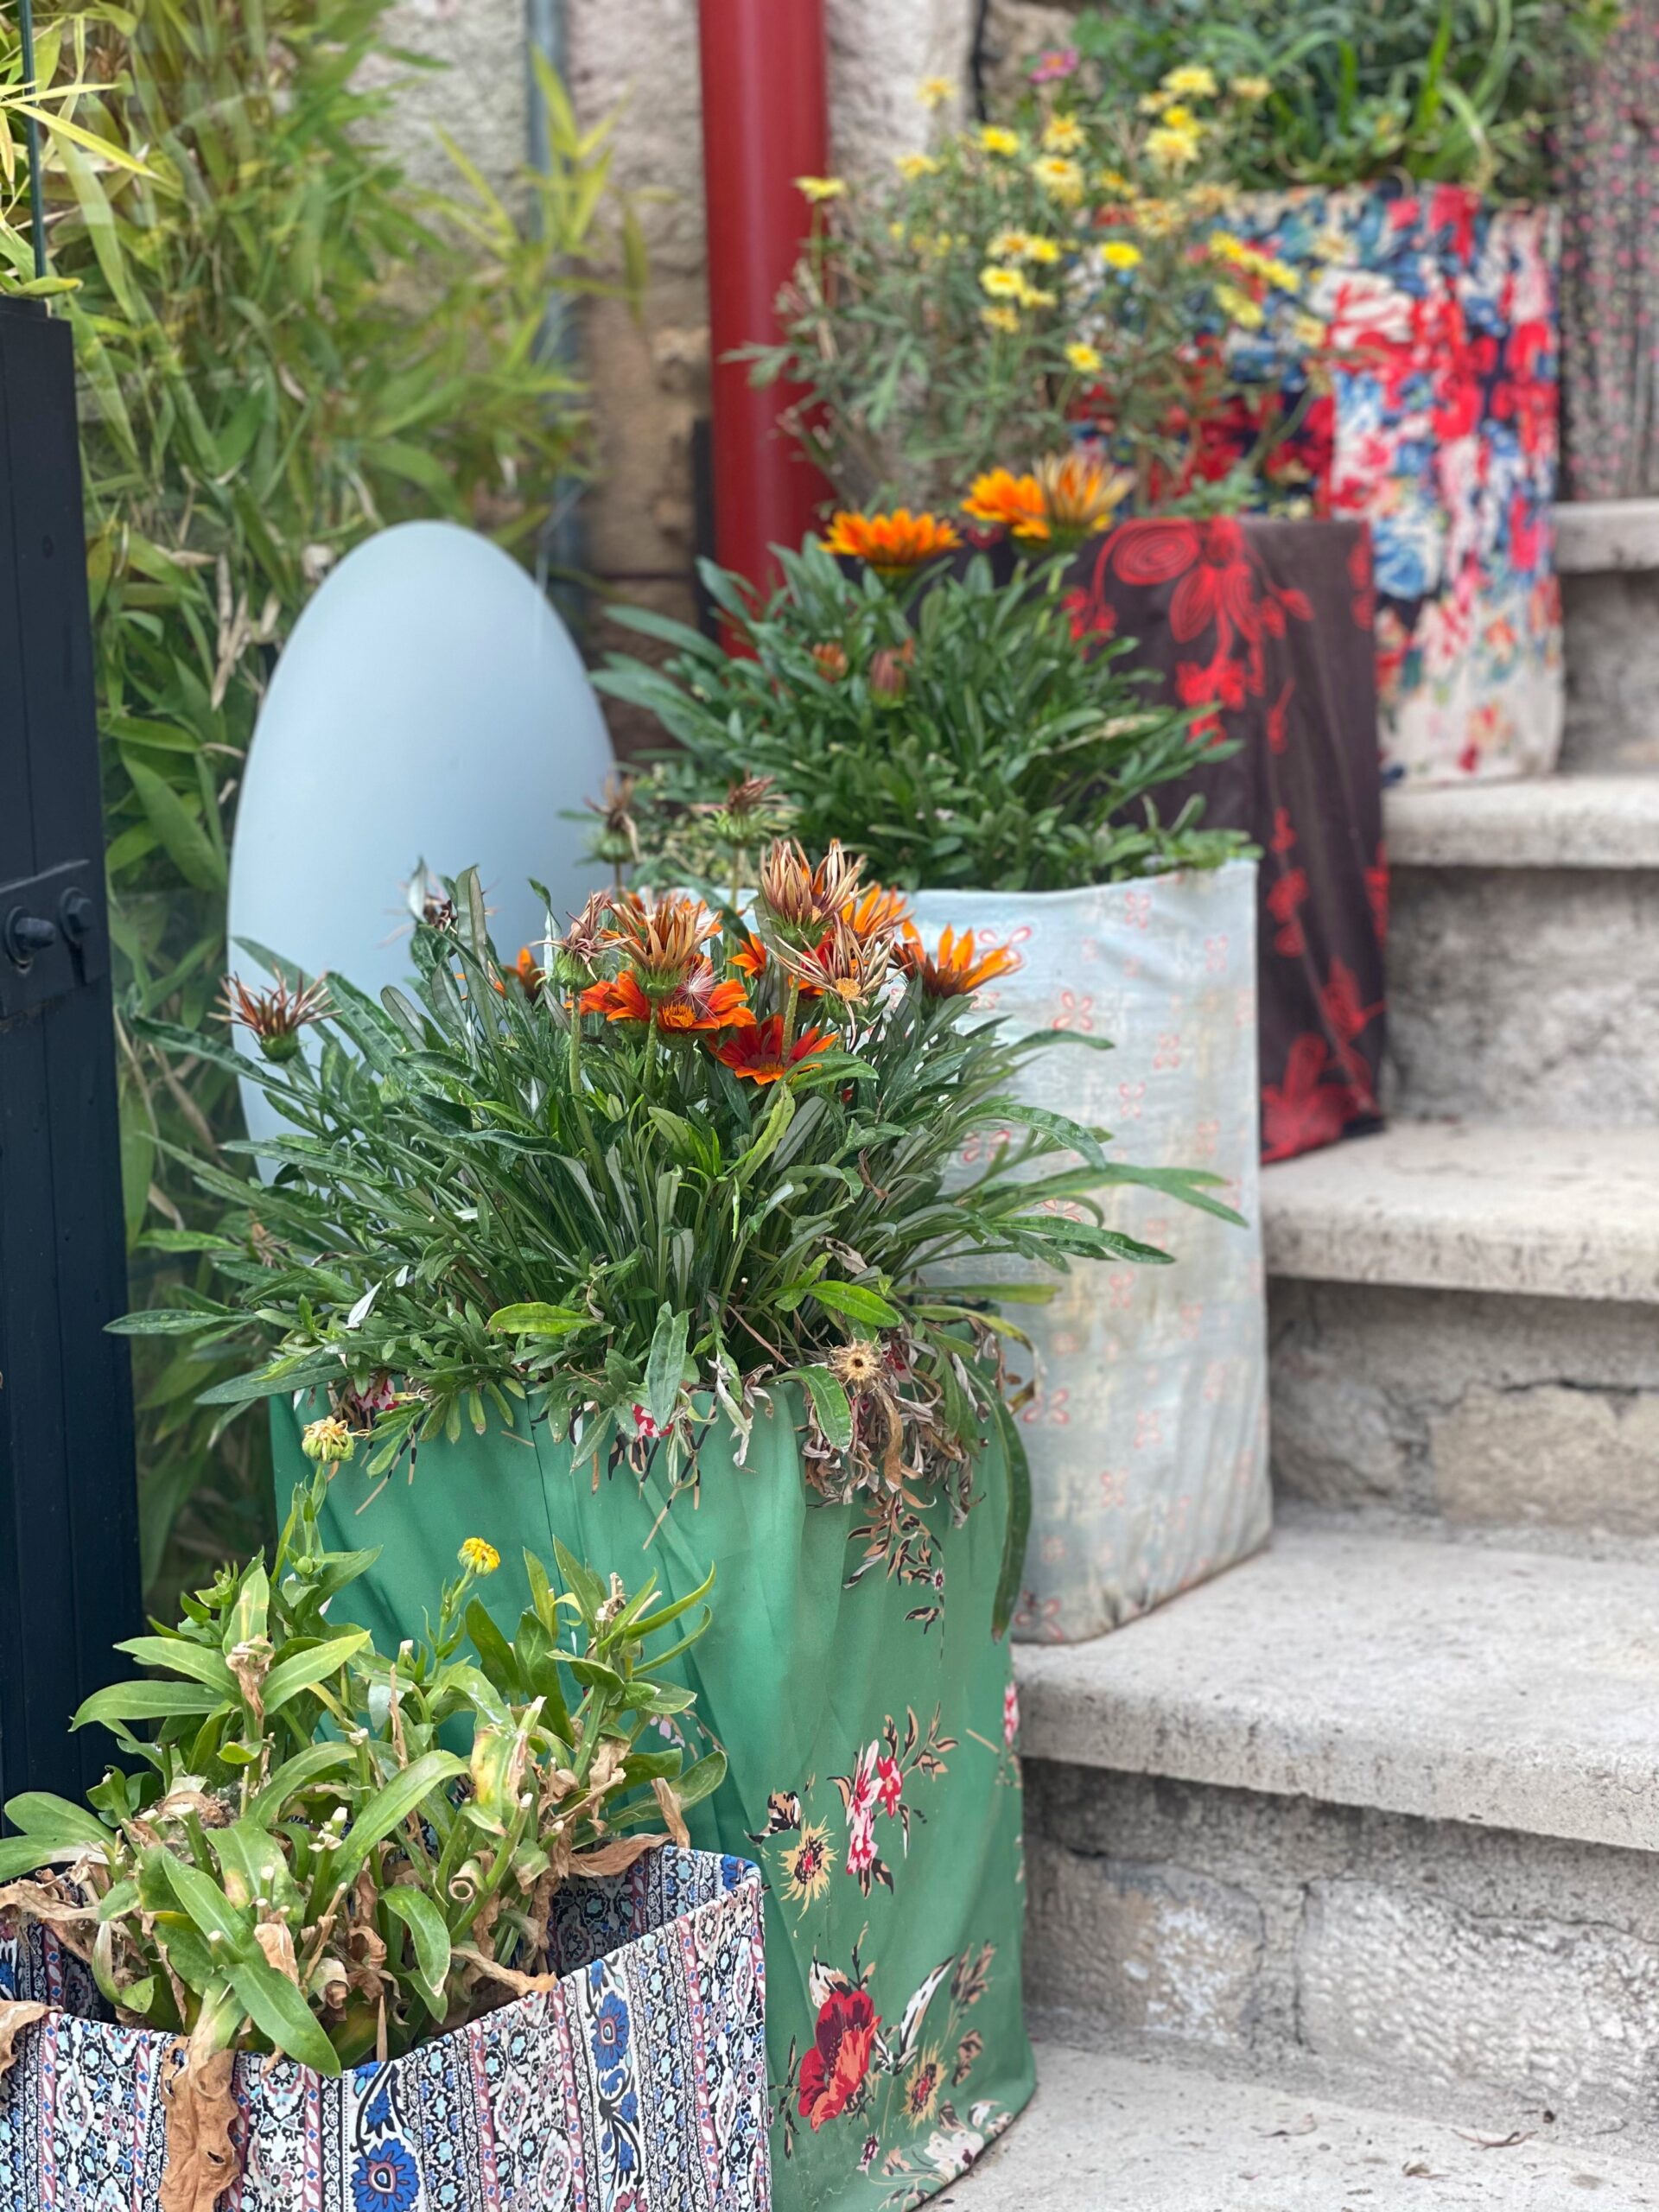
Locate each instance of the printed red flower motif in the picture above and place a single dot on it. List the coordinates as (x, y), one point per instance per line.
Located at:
(833, 2071)
(1376, 890)
(1279, 717)
(1303, 1113)
(1286, 898)
(1283, 840)
(889, 1784)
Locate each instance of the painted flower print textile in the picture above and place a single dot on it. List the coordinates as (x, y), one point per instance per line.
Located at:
(1147, 1433)
(1266, 627)
(1441, 431)
(638, 2082)
(866, 1715)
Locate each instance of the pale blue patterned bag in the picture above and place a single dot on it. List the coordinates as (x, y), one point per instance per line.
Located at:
(1148, 1433)
(637, 2081)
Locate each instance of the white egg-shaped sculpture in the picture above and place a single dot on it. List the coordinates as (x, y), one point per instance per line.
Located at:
(430, 708)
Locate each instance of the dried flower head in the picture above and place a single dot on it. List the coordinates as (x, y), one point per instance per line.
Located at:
(799, 896)
(893, 544)
(329, 1440)
(1081, 494)
(616, 840)
(843, 964)
(857, 1365)
(958, 969)
(662, 942)
(579, 955)
(275, 1016)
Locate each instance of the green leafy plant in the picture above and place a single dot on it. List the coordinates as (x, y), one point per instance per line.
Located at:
(683, 1168)
(956, 719)
(284, 345)
(1463, 91)
(299, 1863)
(1022, 279)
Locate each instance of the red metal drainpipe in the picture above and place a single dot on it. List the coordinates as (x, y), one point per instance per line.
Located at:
(765, 123)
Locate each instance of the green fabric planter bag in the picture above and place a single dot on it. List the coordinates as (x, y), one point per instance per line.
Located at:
(870, 1733)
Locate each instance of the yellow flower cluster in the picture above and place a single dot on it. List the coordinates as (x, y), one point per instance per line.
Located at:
(1239, 307)
(1063, 134)
(817, 188)
(1255, 263)
(1061, 176)
(1172, 146)
(997, 139)
(1118, 253)
(912, 166)
(934, 92)
(1086, 359)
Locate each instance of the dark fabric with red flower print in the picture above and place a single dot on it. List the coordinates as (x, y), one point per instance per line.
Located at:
(1267, 628)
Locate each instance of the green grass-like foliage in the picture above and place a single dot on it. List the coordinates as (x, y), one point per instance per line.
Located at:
(1458, 92)
(490, 1199)
(284, 344)
(297, 1863)
(950, 725)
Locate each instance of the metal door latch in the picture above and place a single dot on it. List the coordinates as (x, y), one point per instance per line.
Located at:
(52, 939)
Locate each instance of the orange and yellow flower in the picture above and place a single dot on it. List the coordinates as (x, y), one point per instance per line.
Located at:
(756, 1054)
(877, 911)
(1008, 502)
(892, 544)
(958, 967)
(695, 1003)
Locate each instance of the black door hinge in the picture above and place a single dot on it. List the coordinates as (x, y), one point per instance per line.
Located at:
(53, 935)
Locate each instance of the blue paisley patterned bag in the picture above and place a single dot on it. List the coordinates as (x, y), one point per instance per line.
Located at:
(637, 2080)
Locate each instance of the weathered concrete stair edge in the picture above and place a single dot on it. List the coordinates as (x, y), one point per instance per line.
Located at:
(1592, 821)
(1121, 2132)
(1595, 535)
(1504, 1689)
(1549, 1213)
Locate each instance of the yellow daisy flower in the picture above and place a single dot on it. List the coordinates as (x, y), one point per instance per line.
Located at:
(482, 1557)
(1032, 296)
(997, 139)
(1001, 283)
(934, 92)
(1118, 253)
(816, 188)
(1239, 307)
(1005, 319)
(1116, 183)
(1063, 134)
(1172, 150)
(1192, 81)
(1179, 118)
(910, 166)
(1047, 250)
(1058, 175)
(1251, 88)
(1153, 102)
(1007, 245)
(1086, 359)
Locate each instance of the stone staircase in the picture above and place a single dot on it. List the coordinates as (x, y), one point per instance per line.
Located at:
(1344, 1868)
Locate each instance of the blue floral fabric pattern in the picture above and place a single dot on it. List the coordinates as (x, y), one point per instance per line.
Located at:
(638, 2082)
(1441, 431)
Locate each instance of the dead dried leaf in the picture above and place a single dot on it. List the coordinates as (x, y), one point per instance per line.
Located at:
(615, 1857)
(202, 2113)
(1496, 2142)
(668, 1798)
(276, 1941)
(14, 2019)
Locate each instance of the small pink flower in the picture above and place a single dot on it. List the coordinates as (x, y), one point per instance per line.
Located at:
(889, 1784)
(861, 1843)
(1010, 1714)
(1054, 64)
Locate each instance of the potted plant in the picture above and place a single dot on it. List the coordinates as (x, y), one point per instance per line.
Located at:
(1068, 286)
(1007, 774)
(646, 1232)
(376, 1930)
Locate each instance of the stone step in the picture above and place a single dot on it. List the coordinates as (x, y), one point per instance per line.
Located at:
(1463, 1334)
(1608, 554)
(1383, 1805)
(1135, 2131)
(1523, 951)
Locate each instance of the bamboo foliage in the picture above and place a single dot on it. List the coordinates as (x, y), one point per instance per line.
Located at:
(284, 345)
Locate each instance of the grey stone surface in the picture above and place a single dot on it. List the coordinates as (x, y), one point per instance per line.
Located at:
(1525, 995)
(1499, 1688)
(1119, 2132)
(1612, 626)
(480, 95)
(1394, 1955)
(1544, 822)
(1483, 1411)
(1595, 535)
(1564, 1213)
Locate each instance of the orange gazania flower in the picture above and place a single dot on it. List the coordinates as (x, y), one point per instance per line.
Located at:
(1009, 502)
(750, 958)
(955, 970)
(664, 941)
(876, 911)
(1081, 494)
(696, 1003)
(529, 973)
(893, 544)
(800, 896)
(756, 1055)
